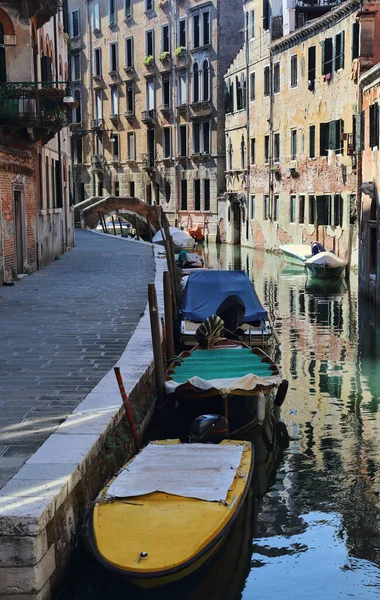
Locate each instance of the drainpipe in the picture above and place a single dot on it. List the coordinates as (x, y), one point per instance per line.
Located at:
(58, 180)
(247, 99)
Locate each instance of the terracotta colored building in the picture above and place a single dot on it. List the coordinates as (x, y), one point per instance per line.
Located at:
(36, 222)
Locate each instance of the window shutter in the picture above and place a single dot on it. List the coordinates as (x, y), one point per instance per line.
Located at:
(323, 58)
(342, 50)
(332, 135)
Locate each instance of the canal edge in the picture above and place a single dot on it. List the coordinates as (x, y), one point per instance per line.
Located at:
(39, 521)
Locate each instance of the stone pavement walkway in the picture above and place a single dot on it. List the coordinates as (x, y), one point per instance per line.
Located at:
(61, 330)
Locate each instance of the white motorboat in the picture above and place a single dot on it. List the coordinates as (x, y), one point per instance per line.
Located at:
(296, 254)
(325, 264)
(181, 239)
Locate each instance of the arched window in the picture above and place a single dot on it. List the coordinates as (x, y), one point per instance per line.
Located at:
(3, 66)
(196, 83)
(77, 110)
(206, 80)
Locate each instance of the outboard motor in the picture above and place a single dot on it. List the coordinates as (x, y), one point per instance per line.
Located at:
(208, 428)
(232, 311)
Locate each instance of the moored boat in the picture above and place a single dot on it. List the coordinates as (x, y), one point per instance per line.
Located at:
(169, 509)
(230, 378)
(204, 295)
(296, 254)
(325, 264)
(181, 239)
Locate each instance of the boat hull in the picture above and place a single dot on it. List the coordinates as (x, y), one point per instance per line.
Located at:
(324, 271)
(296, 254)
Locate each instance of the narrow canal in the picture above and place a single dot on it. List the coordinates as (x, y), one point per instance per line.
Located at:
(310, 529)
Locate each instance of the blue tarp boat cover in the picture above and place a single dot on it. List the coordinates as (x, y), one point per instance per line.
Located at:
(206, 290)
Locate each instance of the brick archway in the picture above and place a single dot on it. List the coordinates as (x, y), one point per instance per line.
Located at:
(6, 22)
(89, 215)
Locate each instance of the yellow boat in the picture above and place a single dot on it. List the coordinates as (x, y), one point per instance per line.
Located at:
(169, 509)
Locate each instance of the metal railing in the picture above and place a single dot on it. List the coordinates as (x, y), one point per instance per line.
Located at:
(148, 116)
(147, 160)
(316, 3)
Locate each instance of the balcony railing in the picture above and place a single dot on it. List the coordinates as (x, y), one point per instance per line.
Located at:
(97, 163)
(148, 117)
(97, 124)
(34, 105)
(148, 161)
(316, 3)
(201, 109)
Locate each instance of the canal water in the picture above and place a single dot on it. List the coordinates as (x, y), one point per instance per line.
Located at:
(311, 526)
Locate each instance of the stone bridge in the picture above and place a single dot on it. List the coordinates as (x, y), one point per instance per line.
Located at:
(86, 212)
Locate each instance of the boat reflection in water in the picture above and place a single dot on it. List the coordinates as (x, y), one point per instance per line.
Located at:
(325, 288)
(225, 574)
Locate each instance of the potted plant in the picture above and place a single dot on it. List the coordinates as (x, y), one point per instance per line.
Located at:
(164, 56)
(180, 51)
(148, 60)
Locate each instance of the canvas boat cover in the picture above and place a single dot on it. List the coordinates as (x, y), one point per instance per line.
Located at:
(328, 259)
(180, 238)
(247, 383)
(204, 471)
(206, 290)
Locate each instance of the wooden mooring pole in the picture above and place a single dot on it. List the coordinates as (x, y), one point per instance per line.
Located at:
(168, 302)
(127, 407)
(156, 342)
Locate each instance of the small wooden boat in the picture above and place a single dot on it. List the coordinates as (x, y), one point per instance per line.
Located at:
(231, 378)
(204, 293)
(296, 254)
(181, 239)
(325, 264)
(169, 509)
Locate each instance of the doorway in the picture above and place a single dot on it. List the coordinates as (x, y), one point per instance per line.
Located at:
(236, 223)
(19, 232)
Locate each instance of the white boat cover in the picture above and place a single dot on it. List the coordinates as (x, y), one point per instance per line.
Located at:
(180, 238)
(204, 471)
(247, 383)
(326, 258)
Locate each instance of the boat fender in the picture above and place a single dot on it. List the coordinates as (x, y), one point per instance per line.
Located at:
(260, 407)
(281, 392)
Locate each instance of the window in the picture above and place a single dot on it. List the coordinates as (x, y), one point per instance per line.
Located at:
(182, 92)
(129, 58)
(201, 29)
(327, 56)
(201, 137)
(114, 101)
(197, 194)
(276, 207)
(293, 208)
(77, 111)
(205, 81)
(374, 125)
(276, 78)
(195, 83)
(206, 194)
(182, 33)
(355, 41)
(115, 146)
(167, 142)
(230, 96)
(166, 92)
(75, 67)
(312, 141)
(128, 9)
(96, 16)
(131, 147)
(75, 23)
(266, 81)
(99, 145)
(242, 152)
(323, 206)
(253, 151)
(129, 96)
(239, 93)
(311, 210)
(132, 188)
(266, 148)
(311, 66)
(184, 194)
(183, 140)
(253, 199)
(252, 87)
(339, 51)
(165, 45)
(112, 11)
(97, 62)
(113, 57)
(336, 130)
(276, 147)
(266, 15)
(293, 71)
(150, 95)
(149, 43)
(98, 105)
(266, 208)
(252, 24)
(323, 139)
(293, 144)
(77, 150)
(148, 5)
(301, 209)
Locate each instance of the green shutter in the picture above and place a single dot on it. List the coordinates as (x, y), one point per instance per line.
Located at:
(332, 135)
(323, 58)
(342, 50)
